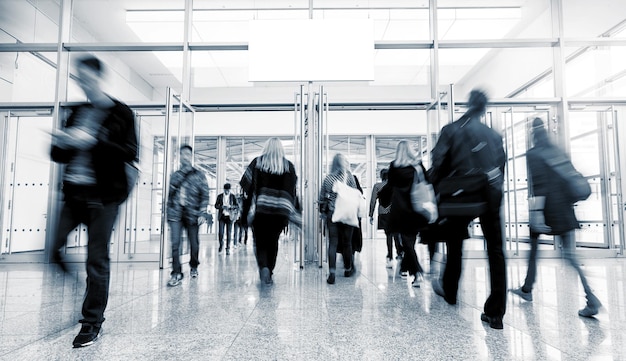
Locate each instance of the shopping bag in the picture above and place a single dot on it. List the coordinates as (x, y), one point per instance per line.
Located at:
(423, 197)
(346, 204)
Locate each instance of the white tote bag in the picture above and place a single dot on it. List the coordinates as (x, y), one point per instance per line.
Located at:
(347, 204)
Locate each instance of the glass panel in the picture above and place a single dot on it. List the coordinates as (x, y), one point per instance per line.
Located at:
(503, 73)
(27, 77)
(596, 71)
(205, 158)
(26, 185)
(134, 76)
(143, 208)
(230, 21)
(353, 147)
(587, 154)
(392, 22)
(124, 21)
(218, 69)
(29, 21)
(494, 20)
(582, 20)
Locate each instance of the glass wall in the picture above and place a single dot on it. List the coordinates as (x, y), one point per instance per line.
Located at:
(565, 55)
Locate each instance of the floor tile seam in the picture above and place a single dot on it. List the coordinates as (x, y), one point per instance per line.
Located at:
(39, 339)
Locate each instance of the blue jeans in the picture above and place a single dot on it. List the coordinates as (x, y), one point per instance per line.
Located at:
(225, 225)
(176, 233)
(99, 219)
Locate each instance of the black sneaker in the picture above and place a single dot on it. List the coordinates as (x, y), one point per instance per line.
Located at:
(87, 336)
(58, 259)
(331, 279)
(494, 322)
(194, 273)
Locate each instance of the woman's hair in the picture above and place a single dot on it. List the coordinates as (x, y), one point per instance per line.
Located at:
(340, 164)
(404, 155)
(273, 157)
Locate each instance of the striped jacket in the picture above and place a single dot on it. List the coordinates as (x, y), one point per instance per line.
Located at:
(275, 193)
(327, 197)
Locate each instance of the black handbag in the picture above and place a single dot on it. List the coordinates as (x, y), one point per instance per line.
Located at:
(463, 195)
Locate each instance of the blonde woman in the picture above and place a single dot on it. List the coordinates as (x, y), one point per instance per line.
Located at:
(338, 233)
(402, 218)
(272, 179)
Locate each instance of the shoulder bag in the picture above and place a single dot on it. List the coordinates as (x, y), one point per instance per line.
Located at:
(576, 184)
(346, 204)
(423, 196)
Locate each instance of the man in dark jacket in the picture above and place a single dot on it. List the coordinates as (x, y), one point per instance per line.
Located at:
(467, 146)
(187, 202)
(98, 140)
(227, 206)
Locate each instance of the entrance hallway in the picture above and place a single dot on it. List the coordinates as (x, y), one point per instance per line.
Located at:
(225, 314)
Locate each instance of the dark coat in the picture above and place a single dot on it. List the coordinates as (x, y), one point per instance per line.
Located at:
(197, 195)
(480, 149)
(116, 145)
(402, 218)
(477, 149)
(558, 211)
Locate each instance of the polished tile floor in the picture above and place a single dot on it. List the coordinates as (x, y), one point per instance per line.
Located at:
(225, 314)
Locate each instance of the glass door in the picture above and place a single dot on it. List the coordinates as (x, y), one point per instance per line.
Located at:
(24, 185)
(179, 130)
(513, 123)
(137, 231)
(593, 146)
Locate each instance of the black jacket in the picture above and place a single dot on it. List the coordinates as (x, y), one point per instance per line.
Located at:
(475, 148)
(116, 145)
(397, 191)
(544, 181)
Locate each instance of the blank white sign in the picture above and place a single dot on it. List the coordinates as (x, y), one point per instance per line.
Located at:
(311, 50)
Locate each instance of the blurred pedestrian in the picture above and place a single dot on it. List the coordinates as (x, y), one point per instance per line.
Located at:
(339, 234)
(402, 218)
(551, 212)
(187, 201)
(98, 140)
(270, 182)
(383, 220)
(227, 207)
(467, 146)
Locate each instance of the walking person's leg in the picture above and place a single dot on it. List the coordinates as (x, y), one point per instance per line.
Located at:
(491, 224)
(220, 234)
(194, 243)
(333, 241)
(99, 228)
(176, 229)
(68, 220)
(228, 228)
(569, 252)
(345, 235)
(525, 291)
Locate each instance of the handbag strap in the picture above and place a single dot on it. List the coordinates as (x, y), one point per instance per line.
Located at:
(419, 176)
